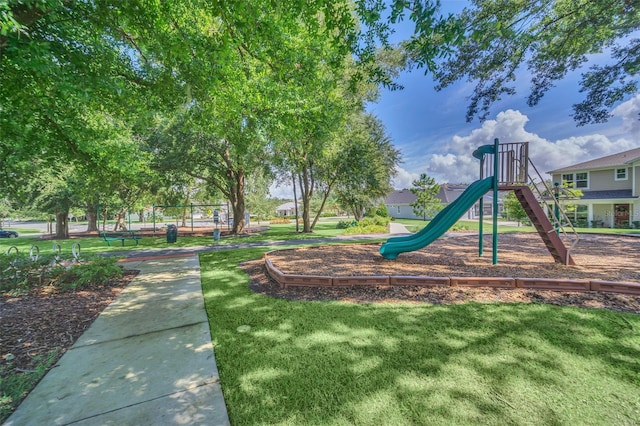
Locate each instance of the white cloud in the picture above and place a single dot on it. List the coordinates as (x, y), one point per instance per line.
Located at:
(281, 190)
(458, 164)
(629, 111)
(403, 178)
(454, 162)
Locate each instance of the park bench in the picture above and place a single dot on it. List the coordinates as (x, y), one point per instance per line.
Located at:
(120, 236)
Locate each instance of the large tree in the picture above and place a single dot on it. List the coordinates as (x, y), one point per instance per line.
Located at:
(551, 38)
(74, 72)
(363, 164)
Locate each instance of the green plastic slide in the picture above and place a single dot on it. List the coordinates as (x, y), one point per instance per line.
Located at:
(439, 224)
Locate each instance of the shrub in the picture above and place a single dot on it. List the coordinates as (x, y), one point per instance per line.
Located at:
(345, 224)
(368, 225)
(375, 220)
(19, 273)
(98, 271)
(368, 229)
(382, 210)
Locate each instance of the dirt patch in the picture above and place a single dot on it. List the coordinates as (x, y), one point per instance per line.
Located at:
(33, 324)
(609, 258)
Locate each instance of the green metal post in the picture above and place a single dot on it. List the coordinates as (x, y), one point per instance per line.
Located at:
(496, 144)
(481, 217)
(191, 217)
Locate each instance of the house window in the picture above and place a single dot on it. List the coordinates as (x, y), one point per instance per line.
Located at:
(398, 209)
(582, 180)
(577, 214)
(621, 174)
(576, 180)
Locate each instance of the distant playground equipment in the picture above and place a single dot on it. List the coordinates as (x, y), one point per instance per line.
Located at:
(218, 215)
(507, 169)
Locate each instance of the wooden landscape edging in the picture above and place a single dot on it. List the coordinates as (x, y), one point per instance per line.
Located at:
(553, 284)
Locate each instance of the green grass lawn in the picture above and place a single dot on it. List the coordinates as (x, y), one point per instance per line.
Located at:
(346, 363)
(93, 245)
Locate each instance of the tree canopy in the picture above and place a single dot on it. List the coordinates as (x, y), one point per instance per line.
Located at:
(551, 38)
(124, 92)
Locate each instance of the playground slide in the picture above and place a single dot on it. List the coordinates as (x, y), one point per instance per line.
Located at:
(439, 224)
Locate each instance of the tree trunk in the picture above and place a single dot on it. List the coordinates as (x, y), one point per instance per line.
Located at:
(295, 200)
(184, 216)
(358, 213)
(324, 200)
(62, 225)
(120, 221)
(237, 202)
(306, 192)
(104, 220)
(92, 218)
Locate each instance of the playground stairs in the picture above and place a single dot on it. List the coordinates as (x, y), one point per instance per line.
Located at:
(541, 222)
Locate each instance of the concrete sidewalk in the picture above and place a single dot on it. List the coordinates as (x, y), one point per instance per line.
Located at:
(396, 228)
(146, 360)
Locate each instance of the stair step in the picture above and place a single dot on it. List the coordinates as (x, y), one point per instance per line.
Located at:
(543, 225)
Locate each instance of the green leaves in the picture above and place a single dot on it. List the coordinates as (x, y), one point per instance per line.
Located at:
(552, 39)
(427, 202)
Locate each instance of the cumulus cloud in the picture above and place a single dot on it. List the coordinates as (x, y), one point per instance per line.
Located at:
(403, 178)
(458, 164)
(281, 190)
(630, 113)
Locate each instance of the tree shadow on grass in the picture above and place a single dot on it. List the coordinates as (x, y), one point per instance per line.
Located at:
(343, 363)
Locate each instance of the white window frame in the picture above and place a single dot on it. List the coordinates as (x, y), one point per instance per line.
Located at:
(574, 179)
(617, 177)
(581, 180)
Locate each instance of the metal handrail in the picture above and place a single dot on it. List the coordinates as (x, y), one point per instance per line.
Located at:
(571, 233)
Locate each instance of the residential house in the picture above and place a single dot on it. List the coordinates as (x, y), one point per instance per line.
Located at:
(611, 188)
(286, 209)
(399, 202)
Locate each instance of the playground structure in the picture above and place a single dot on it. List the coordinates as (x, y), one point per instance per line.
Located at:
(508, 168)
(218, 217)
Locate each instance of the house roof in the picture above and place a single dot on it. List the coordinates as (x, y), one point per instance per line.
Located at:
(286, 206)
(619, 159)
(605, 195)
(448, 193)
(402, 196)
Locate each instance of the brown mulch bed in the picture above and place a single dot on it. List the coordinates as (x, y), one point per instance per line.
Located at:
(598, 257)
(46, 319)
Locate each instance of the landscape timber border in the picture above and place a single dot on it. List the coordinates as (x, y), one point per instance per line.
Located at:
(553, 284)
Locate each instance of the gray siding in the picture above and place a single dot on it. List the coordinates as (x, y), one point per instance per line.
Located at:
(402, 212)
(636, 192)
(604, 180)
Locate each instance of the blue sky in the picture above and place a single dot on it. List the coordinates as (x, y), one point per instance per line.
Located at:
(430, 130)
